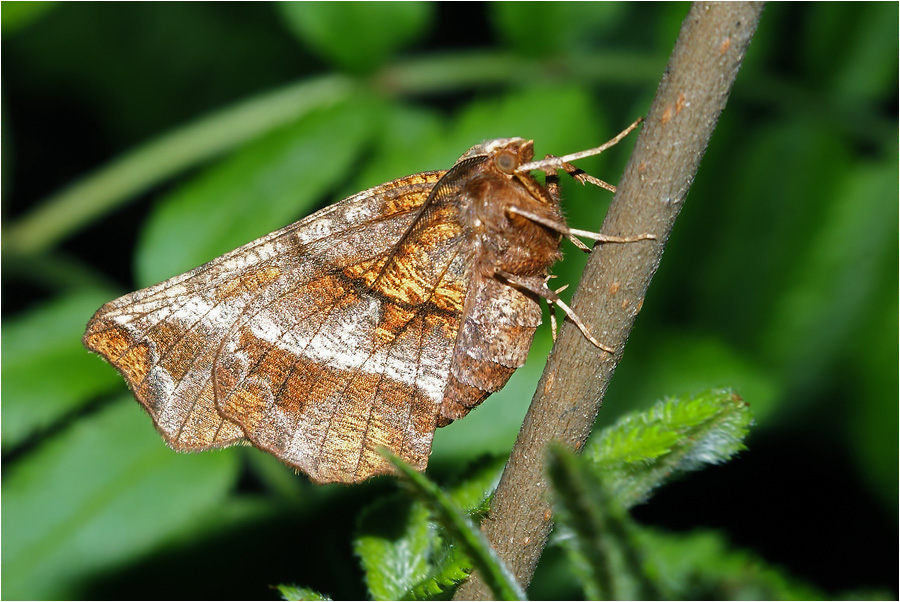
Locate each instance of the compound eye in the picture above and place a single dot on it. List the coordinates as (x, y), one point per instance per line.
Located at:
(506, 161)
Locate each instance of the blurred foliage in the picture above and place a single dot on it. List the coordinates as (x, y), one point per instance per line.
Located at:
(377, 30)
(780, 279)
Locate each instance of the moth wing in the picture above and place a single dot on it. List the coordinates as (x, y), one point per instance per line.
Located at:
(355, 354)
(166, 339)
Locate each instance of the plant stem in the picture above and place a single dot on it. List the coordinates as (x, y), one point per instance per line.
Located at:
(63, 213)
(73, 207)
(452, 72)
(692, 94)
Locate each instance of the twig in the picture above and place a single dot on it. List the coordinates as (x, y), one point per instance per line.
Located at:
(693, 91)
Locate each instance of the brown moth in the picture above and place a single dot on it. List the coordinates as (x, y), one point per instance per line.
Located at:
(367, 324)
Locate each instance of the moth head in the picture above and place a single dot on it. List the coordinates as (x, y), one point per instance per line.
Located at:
(505, 154)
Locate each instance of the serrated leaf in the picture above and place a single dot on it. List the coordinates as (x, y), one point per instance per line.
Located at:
(645, 449)
(295, 592)
(463, 533)
(448, 564)
(100, 493)
(394, 541)
(47, 341)
(404, 554)
(602, 552)
(268, 184)
(453, 568)
(357, 36)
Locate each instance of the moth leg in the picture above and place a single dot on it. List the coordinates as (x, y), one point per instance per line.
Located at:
(539, 287)
(552, 312)
(571, 233)
(552, 321)
(609, 238)
(552, 185)
(551, 189)
(552, 224)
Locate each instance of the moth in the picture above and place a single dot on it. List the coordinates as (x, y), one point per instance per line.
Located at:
(369, 323)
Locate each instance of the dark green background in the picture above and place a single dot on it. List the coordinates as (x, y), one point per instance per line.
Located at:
(780, 279)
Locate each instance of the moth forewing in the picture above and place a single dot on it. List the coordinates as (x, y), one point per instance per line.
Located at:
(367, 324)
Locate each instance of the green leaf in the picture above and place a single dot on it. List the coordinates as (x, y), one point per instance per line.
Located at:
(294, 592)
(603, 556)
(545, 29)
(394, 542)
(857, 76)
(693, 361)
(702, 566)
(476, 483)
(409, 140)
(732, 290)
(644, 449)
(448, 565)
(46, 371)
(496, 575)
(160, 159)
(357, 36)
(560, 119)
(533, 28)
(99, 494)
(615, 559)
(449, 571)
(873, 357)
(262, 188)
(833, 279)
(873, 417)
(405, 554)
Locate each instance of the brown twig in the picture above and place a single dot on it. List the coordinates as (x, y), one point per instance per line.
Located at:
(694, 89)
